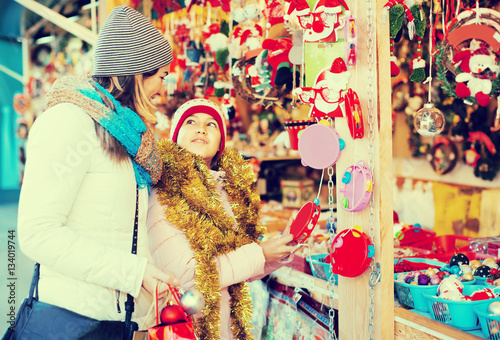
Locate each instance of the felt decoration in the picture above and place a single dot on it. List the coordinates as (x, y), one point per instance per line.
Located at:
(398, 13)
(278, 57)
(395, 24)
(418, 64)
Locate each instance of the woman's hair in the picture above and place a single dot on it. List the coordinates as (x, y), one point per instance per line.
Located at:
(129, 91)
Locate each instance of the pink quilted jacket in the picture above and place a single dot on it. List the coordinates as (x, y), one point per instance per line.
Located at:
(171, 251)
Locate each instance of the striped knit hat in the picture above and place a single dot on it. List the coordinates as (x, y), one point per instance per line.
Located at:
(129, 44)
(198, 106)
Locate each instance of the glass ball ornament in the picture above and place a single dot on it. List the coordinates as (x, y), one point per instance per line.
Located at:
(429, 121)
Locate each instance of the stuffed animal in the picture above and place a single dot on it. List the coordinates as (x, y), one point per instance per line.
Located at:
(278, 51)
(474, 80)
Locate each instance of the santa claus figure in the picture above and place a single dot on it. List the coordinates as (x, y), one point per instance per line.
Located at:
(326, 97)
(325, 20)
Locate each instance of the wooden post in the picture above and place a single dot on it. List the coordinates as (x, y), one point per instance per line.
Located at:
(61, 21)
(354, 299)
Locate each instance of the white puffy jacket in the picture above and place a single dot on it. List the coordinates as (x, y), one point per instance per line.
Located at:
(76, 217)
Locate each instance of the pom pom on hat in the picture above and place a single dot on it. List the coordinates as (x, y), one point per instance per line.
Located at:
(129, 44)
(194, 106)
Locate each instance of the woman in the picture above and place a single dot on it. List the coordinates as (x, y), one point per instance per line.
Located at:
(203, 223)
(91, 159)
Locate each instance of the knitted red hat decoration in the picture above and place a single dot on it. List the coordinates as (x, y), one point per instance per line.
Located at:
(338, 66)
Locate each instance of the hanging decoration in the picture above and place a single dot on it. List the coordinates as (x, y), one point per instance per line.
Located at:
(443, 156)
(320, 145)
(429, 121)
(356, 188)
(470, 53)
(326, 97)
(351, 252)
(481, 154)
(397, 9)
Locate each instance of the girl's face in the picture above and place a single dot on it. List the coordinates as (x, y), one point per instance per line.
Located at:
(152, 85)
(200, 134)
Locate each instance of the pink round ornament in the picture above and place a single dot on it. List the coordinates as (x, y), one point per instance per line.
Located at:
(357, 187)
(320, 146)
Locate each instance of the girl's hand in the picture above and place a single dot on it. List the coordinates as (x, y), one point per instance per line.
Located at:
(154, 275)
(276, 249)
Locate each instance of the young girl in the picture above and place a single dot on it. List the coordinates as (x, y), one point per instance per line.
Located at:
(91, 159)
(203, 221)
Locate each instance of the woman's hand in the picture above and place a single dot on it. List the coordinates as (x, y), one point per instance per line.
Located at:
(154, 275)
(276, 249)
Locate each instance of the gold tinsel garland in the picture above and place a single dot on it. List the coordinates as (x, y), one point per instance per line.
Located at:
(190, 199)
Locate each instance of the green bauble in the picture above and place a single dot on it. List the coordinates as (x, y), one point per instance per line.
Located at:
(396, 18)
(418, 75)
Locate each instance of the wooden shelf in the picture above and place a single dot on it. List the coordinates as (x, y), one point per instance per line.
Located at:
(275, 159)
(410, 325)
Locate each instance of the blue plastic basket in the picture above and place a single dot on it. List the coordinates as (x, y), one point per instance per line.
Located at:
(411, 295)
(320, 269)
(490, 324)
(459, 314)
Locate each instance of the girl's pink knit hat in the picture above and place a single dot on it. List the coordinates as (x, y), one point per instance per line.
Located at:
(192, 107)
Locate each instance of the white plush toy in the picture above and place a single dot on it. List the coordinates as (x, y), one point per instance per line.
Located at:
(470, 82)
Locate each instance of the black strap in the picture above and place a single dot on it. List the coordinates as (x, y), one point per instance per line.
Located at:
(129, 304)
(34, 285)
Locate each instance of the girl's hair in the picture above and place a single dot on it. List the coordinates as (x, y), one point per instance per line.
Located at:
(129, 91)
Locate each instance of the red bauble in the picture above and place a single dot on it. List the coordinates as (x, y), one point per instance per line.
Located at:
(172, 314)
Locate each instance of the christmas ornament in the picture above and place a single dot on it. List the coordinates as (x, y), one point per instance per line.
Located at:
(459, 259)
(399, 12)
(468, 277)
(423, 280)
(192, 301)
(490, 263)
(418, 64)
(483, 294)
(320, 146)
(443, 156)
(482, 271)
(451, 288)
(470, 52)
(325, 20)
(172, 314)
(351, 252)
(494, 308)
(305, 221)
(326, 97)
(351, 39)
(21, 103)
(429, 121)
(357, 187)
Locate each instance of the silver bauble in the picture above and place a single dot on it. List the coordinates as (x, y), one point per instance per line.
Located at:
(192, 301)
(429, 121)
